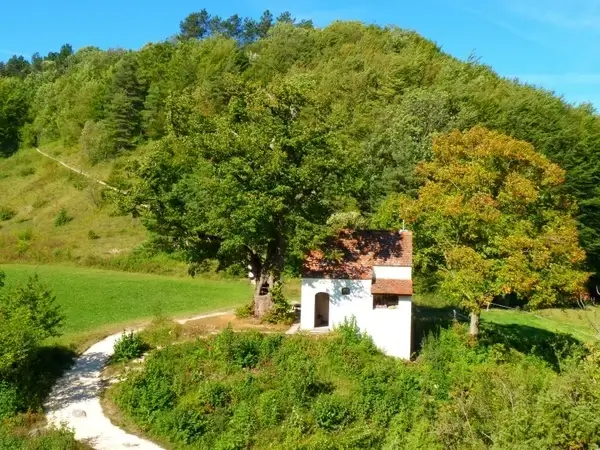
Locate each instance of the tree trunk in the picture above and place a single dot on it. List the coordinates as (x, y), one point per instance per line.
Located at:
(474, 328)
(270, 273)
(263, 299)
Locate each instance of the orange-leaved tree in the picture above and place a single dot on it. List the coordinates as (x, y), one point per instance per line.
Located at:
(491, 221)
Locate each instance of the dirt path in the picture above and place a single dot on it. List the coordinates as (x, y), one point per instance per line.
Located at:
(80, 172)
(75, 400)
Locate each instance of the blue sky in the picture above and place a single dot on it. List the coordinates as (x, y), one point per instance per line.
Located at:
(550, 43)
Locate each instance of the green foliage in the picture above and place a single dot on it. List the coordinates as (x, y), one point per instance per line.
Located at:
(129, 346)
(245, 311)
(491, 221)
(273, 157)
(28, 316)
(95, 142)
(9, 400)
(14, 105)
(331, 412)
(14, 436)
(92, 235)
(6, 213)
(287, 90)
(281, 311)
(246, 390)
(62, 218)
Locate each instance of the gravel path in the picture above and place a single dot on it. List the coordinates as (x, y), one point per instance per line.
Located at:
(75, 400)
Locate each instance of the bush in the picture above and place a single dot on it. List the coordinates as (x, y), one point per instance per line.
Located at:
(26, 171)
(6, 213)
(331, 412)
(281, 311)
(13, 437)
(247, 390)
(9, 400)
(92, 235)
(62, 218)
(95, 143)
(28, 315)
(245, 311)
(129, 346)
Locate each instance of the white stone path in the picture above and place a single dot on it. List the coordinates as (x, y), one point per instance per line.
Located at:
(75, 400)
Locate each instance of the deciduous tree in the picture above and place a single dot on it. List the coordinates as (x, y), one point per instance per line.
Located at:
(491, 221)
(256, 187)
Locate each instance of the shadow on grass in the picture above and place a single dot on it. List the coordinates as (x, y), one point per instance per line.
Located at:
(428, 320)
(549, 346)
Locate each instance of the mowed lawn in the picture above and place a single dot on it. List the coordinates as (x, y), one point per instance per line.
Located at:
(94, 301)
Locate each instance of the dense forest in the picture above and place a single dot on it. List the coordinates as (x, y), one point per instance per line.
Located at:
(354, 108)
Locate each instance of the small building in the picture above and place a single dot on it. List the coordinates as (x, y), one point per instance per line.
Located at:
(365, 274)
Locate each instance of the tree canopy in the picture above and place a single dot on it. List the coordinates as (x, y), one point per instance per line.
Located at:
(491, 221)
(388, 92)
(255, 184)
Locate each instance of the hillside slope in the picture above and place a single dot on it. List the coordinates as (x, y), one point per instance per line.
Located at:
(385, 92)
(34, 191)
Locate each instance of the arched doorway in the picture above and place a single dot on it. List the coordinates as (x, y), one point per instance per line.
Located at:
(321, 310)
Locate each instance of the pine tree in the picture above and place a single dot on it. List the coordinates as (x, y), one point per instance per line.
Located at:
(124, 110)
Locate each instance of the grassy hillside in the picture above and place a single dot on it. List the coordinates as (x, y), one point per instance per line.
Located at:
(35, 189)
(97, 302)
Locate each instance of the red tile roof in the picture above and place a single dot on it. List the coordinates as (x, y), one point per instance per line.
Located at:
(395, 287)
(354, 253)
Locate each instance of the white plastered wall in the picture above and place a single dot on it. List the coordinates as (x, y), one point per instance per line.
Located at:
(389, 328)
(392, 272)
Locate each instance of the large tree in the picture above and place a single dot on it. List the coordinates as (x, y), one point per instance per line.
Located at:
(124, 109)
(254, 185)
(14, 105)
(491, 221)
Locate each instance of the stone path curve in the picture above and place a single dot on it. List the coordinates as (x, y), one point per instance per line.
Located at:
(75, 400)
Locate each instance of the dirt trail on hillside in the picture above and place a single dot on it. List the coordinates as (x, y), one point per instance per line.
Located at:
(80, 172)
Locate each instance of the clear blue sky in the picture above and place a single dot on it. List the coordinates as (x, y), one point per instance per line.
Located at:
(551, 43)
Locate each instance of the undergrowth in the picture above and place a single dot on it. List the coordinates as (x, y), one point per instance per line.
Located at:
(252, 390)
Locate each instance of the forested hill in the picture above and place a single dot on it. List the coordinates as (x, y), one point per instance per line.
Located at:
(387, 92)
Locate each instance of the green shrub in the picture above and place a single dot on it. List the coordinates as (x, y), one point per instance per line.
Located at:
(188, 425)
(281, 311)
(162, 331)
(245, 311)
(26, 171)
(239, 349)
(129, 346)
(62, 218)
(13, 437)
(92, 235)
(6, 213)
(247, 390)
(40, 203)
(272, 407)
(214, 394)
(331, 412)
(95, 142)
(9, 400)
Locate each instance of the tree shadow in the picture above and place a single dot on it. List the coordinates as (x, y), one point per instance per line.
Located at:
(44, 368)
(551, 347)
(547, 345)
(80, 383)
(428, 320)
